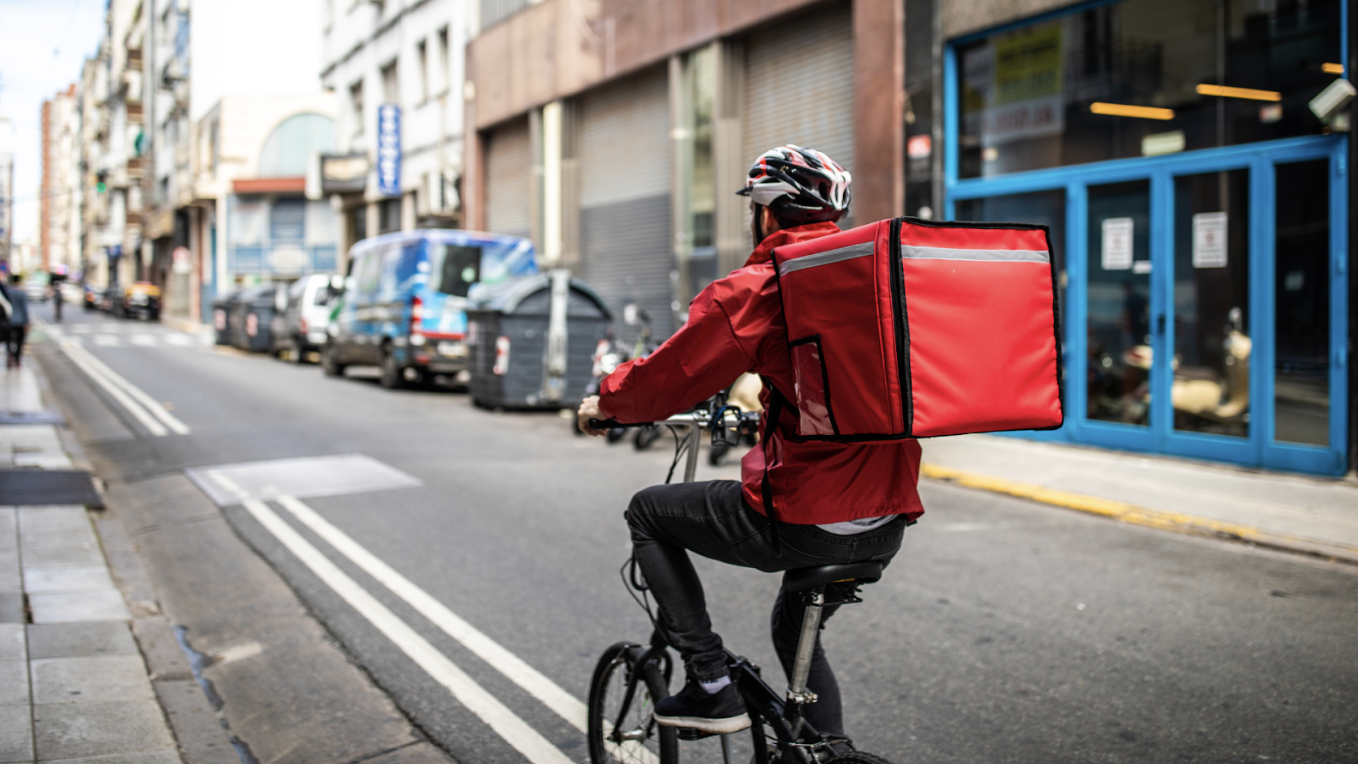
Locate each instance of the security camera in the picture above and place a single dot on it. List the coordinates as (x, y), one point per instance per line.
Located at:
(1330, 103)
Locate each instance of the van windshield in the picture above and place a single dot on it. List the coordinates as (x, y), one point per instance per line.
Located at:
(455, 268)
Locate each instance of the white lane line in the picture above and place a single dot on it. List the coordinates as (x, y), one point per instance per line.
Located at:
(514, 668)
(75, 354)
(106, 340)
(152, 405)
(143, 339)
(495, 714)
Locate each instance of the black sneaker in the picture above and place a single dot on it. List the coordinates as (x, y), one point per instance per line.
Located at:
(717, 713)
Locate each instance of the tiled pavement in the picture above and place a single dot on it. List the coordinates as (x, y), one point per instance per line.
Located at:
(73, 684)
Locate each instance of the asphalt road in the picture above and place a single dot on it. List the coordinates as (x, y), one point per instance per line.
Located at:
(1005, 631)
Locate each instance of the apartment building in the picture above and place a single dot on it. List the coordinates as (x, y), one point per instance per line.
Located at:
(396, 69)
(59, 191)
(6, 188)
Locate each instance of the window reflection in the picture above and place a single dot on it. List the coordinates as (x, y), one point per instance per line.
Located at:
(1118, 326)
(1212, 344)
(1144, 78)
(1301, 381)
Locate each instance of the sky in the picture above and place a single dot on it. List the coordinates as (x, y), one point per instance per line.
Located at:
(43, 45)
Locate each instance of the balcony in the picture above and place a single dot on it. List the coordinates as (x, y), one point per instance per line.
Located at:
(278, 259)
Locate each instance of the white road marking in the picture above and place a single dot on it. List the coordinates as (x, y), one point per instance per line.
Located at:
(178, 339)
(110, 380)
(514, 668)
(143, 339)
(106, 340)
(77, 356)
(476, 699)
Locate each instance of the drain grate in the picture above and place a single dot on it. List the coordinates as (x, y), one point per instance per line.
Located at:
(28, 487)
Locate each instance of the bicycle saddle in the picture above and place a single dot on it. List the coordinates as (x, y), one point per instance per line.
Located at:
(801, 579)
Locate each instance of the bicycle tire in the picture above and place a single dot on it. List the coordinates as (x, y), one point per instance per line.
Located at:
(858, 757)
(611, 674)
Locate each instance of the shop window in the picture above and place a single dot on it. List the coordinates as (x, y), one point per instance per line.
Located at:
(1212, 331)
(1301, 288)
(1144, 78)
(1117, 314)
(287, 219)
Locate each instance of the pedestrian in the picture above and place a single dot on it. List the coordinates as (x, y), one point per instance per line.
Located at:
(56, 300)
(18, 320)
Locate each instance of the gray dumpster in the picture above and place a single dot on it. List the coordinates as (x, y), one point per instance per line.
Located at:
(531, 341)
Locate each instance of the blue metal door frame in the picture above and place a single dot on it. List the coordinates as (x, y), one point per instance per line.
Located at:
(1259, 448)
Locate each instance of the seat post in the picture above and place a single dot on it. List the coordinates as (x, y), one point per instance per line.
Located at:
(801, 669)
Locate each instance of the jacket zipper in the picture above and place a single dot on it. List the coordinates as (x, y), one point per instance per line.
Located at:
(902, 331)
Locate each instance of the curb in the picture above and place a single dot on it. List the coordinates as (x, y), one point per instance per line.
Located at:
(1144, 516)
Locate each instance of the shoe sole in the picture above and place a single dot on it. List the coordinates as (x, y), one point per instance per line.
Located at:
(711, 726)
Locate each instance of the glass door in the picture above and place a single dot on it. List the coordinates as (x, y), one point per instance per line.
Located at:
(1119, 342)
(1206, 387)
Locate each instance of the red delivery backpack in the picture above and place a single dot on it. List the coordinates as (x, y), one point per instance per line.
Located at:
(910, 328)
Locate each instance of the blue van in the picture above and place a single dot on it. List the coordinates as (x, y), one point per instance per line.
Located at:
(404, 298)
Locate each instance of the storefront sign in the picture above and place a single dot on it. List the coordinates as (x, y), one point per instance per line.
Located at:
(344, 173)
(1209, 240)
(389, 149)
(1117, 244)
(1024, 98)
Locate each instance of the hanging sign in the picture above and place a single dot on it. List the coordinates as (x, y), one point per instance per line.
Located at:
(1117, 244)
(389, 149)
(1209, 240)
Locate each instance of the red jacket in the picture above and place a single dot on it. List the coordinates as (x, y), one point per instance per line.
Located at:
(736, 325)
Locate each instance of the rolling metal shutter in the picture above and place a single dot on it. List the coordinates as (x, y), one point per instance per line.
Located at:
(509, 170)
(799, 87)
(625, 162)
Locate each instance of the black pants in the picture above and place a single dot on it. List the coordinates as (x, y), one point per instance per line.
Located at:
(15, 345)
(712, 520)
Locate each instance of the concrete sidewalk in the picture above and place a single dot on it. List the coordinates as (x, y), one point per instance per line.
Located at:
(1308, 515)
(73, 683)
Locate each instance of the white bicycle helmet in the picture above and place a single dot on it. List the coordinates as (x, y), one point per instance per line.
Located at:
(799, 185)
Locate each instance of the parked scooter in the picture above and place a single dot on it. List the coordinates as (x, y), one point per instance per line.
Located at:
(611, 353)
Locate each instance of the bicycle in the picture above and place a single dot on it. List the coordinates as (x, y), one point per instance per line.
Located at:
(630, 678)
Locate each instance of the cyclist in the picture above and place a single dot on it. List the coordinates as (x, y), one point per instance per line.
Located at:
(832, 502)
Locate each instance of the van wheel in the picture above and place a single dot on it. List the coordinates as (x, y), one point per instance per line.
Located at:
(329, 365)
(391, 372)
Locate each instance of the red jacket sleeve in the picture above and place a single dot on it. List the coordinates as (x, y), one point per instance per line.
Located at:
(699, 360)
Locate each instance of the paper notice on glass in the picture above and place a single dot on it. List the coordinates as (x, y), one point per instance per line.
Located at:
(1117, 244)
(1209, 240)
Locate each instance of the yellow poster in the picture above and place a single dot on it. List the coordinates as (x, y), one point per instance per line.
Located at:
(1029, 65)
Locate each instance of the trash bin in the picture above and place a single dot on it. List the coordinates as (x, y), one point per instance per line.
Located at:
(221, 317)
(522, 353)
(252, 316)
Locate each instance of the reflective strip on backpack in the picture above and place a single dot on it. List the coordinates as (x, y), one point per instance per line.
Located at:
(829, 256)
(939, 253)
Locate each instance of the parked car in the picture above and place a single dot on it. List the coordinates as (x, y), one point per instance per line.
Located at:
(405, 296)
(300, 323)
(138, 300)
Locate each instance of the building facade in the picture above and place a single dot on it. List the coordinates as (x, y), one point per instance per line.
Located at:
(396, 69)
(1199, 208)
(251, 216)
(59, 192)
(1198, 203)
(6, 188)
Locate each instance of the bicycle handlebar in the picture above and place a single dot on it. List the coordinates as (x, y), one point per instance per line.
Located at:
(730, 417)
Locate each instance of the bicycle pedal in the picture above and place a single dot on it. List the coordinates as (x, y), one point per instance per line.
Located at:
(688, 733)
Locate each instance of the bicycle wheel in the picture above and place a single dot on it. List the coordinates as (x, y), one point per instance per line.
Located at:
(644, 741)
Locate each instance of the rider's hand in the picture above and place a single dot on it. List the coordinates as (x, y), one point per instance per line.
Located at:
(589, 409)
